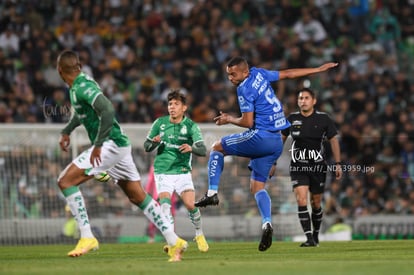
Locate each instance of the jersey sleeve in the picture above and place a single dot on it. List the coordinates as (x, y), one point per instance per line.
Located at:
(246, 98)
(272, 76)
(331, 130)
(106, 113)
(88, 91)
(196, 133)
(155, 129)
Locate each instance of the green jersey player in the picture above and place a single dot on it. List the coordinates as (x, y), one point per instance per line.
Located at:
(176, 137)
(110, 152)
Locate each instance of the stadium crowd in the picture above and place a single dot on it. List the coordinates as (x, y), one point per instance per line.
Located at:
(138, 50)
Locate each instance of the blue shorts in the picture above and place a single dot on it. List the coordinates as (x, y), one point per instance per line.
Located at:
(262, 147)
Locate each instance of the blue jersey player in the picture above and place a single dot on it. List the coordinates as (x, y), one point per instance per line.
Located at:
(262, 115)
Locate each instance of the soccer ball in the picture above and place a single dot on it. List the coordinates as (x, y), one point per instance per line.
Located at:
(102, 177)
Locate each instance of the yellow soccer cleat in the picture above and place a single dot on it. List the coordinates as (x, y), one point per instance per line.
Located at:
(84, 246)
(201, 243)
(176, 251)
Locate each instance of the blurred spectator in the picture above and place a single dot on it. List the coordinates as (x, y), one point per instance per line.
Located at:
(309, 28)
(6, 73)
(10, 42)
(65, 34)
(340, 23)
(29, 189)
(406, 22)
(386, 29)
(359, 13)
(120, 49)
(237, 15)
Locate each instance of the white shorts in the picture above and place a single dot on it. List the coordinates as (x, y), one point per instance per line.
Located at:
(116, 161)
(171, 183)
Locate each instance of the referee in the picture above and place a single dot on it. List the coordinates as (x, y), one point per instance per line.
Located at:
(309, 129)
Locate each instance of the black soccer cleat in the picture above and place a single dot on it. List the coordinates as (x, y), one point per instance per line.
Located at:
(316, 238)
(206, 200)
(267, 235)
(309, 243)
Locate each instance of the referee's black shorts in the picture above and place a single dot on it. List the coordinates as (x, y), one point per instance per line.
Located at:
(312, 175)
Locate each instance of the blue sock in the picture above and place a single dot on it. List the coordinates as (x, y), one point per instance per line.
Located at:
(264, 204)
(215, 167)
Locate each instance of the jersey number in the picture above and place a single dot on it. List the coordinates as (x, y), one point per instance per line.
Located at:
(272, 99)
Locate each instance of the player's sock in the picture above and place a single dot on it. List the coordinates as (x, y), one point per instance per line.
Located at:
(215, 167)
(317, 215)
(77, 206)
(153, 212)
(166, 209)
(195, 217)
(304, 219)
(264, 204)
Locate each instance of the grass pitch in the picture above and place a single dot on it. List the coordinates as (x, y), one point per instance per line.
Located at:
(356, 257)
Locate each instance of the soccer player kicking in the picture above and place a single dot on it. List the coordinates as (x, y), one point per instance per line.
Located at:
(176, 137)
(110, 152)
(309, 129)
(262, 114)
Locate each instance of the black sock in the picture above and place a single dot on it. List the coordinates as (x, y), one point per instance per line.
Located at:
(316, 222)
(305, 221)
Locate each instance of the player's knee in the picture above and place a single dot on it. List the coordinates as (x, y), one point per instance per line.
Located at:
(217, 147)
(62, 180)
(316, 204)
(302, 201)
(60, 183)
(190, 207)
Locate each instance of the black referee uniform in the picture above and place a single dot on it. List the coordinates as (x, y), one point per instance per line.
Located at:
(308, 156)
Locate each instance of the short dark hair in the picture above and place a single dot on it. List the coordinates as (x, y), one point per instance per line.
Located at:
(237, 60)
(69, 61)
(311, 92)
(175, 94)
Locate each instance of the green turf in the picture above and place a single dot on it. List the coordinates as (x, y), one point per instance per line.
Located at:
(356, 257)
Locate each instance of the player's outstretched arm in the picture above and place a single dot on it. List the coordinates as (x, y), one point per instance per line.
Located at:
(299, 72)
